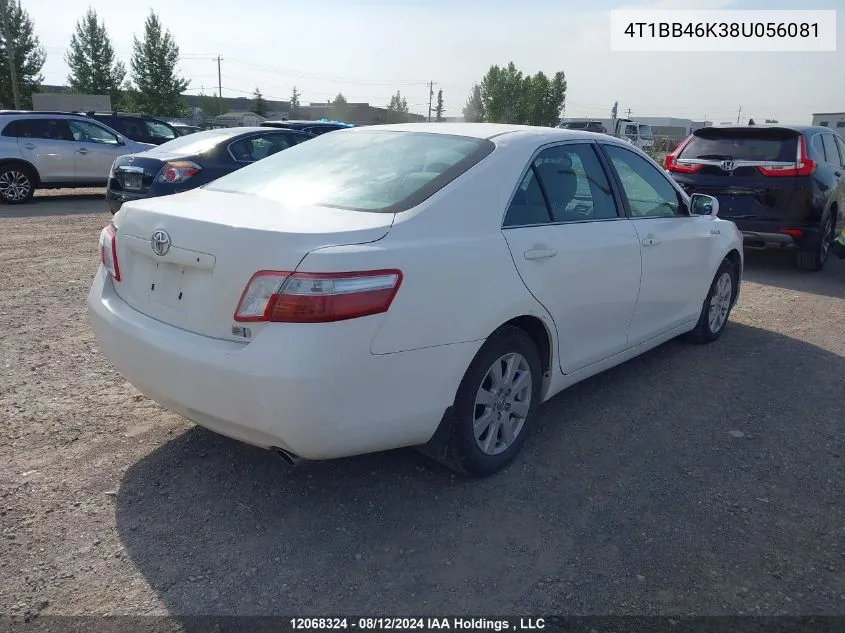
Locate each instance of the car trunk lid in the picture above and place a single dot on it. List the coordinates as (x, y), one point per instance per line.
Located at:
(185, 260)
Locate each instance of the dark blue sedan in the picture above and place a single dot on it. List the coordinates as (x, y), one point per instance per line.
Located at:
(190, 161)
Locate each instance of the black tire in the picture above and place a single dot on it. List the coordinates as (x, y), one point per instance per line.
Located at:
(17, 183)
(704, 332)
(463, 453)
(814, 259)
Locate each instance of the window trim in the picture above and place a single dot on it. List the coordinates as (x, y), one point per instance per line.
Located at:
(683, 198)
(818, 146)
(840, 147)
(593, 145)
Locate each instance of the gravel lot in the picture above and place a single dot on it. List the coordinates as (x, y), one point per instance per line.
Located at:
(692, 480)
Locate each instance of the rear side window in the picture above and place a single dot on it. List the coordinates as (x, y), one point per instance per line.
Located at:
(53, 129)
(159, 131)
(362, 170)
(830, 151)
(756, 145)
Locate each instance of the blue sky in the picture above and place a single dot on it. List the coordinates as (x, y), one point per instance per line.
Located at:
(367, 50)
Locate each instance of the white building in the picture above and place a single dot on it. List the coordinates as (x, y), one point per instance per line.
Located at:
(833, 120)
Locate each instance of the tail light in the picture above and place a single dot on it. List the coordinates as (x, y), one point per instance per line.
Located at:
(316, 297)
(108, 251)
(804, 166)
(796, 233)
(178, 171)
(672, 160)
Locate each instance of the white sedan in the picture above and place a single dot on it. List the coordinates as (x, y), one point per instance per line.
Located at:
(419, 285)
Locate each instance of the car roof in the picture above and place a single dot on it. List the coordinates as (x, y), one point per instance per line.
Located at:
(802, 129)
(492, 130)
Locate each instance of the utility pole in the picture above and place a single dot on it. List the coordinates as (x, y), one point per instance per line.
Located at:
(10, 48)
(219, 87)
(629, 113)
(739, 114)
(430, 96)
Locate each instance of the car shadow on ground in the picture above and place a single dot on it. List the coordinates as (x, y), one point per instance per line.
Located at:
(54, 203)
(693, 479)
(777, 268)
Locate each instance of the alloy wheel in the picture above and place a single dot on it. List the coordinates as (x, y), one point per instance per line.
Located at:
(720, 303)
(14, 185)
(502, 403)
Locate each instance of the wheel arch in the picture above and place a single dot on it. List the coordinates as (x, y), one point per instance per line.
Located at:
(735, 258)
(541, 334)
(23, 163)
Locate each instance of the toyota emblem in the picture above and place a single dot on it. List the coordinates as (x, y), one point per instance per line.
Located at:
(160, 243)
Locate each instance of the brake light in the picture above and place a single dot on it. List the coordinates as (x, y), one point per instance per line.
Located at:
(316, 297)
(108, 251)
(178, 171)
(804, 166)
(672, 160)
(796, 233)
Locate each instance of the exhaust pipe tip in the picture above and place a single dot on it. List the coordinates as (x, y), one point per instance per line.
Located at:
(289, 458)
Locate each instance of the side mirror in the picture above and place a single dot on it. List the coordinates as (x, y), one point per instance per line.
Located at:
(701, 204)
(121, 141)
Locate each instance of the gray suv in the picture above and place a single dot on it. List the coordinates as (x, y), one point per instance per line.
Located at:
(56, 149)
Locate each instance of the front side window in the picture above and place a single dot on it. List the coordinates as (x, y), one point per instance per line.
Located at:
(574, 183)
(648, 192)
(360, 169)
(87, 132)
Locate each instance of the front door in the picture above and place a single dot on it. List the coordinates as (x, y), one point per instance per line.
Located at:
(575, 252)
(96, 150)
(675, 246)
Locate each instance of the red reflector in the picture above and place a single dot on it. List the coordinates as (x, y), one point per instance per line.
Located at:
(792, 232)
(317, 297)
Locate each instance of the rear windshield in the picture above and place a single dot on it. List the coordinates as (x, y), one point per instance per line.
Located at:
(360, 169)
(196, 143)
(743, 144)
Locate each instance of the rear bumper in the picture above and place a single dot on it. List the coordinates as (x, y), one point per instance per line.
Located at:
(759, 235)
(314, 390)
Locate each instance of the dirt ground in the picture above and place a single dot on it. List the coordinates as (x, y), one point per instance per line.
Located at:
(692, 480)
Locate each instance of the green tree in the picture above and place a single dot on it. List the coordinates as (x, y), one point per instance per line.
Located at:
(210, 104)
(438, 109)
(509, 96)
(154, 73)
(294, 103)
(29, 56)
(340, 108)
(397, 109)
(259, 103)
(93, 66)
(474, 107)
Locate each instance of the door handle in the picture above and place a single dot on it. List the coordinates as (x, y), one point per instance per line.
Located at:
(540, 253)
(82, 150)
(650, 241)
(29, 146)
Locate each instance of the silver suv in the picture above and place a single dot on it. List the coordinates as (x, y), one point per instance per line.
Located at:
(56, 149)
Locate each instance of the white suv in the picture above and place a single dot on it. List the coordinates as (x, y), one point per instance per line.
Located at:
(56, 149)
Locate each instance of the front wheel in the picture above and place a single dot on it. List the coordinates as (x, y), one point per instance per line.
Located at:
(717, 306)
(17, 184)
(496, 404)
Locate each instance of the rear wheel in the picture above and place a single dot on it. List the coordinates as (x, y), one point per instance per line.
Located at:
(17, 184)
(814, 259)
(717, 306)
(496, 404)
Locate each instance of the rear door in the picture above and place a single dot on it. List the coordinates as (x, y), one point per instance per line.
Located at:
(725, 163)
(575, 252)
(48, 145)
(675, 246)
(834, 162)
(96, 150)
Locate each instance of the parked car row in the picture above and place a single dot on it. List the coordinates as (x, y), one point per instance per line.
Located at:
(93, 149)
(418, 285)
